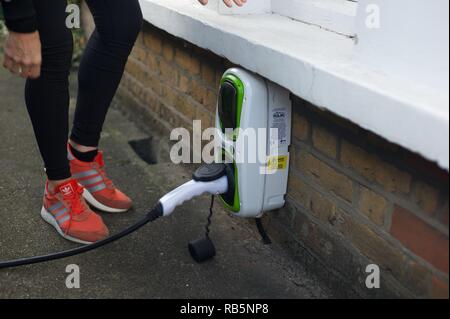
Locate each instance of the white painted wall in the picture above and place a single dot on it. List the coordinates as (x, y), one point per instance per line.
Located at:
(411, 42)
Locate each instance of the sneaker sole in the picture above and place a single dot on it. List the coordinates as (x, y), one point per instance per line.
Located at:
(96, 204)
(52, 221)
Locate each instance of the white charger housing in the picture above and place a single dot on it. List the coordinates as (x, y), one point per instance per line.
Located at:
(248, 105)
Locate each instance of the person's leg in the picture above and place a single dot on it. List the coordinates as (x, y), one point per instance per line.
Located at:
(47, 97)
(117, 23)
(47, 100)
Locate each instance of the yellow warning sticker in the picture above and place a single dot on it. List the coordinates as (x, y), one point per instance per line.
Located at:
(278, 162)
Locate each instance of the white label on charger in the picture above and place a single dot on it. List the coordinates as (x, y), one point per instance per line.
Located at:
(279, 123)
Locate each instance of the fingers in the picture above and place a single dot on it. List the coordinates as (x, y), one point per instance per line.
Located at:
(228, 3)
(25, 71)
(7, 63)
(11, 65)
(239, 3)
(35, 71)
(26, 68)
(31, 68)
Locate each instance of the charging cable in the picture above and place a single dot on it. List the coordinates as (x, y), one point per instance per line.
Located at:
(165, 207)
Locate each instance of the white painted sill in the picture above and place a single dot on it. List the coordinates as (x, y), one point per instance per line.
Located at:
(335, 15)
(318, 66)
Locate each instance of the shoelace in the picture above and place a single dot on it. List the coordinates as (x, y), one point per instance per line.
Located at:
(75, 204)
(74, 201)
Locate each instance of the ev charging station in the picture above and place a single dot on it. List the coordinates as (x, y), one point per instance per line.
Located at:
(246, 188)
(249, 103)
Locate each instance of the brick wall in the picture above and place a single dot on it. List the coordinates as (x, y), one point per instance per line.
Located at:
(354, 199)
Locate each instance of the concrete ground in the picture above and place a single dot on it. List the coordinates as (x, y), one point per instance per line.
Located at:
(152, 263)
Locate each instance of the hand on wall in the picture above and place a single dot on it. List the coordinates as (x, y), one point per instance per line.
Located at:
(228, 3)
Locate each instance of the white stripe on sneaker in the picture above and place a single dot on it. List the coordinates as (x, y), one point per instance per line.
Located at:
(61, 213)
(52, 221)
(97, 188)
(91, 181)
(63, 220)
(56, 206)
(85, 174)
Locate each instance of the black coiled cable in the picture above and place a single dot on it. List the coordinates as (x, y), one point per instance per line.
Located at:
(209, 220)
(151, 216)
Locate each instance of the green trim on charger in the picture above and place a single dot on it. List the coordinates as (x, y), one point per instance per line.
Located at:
(237, 83)
(239, 86)
(236, 207)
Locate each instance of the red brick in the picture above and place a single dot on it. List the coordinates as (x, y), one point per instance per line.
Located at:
(420, 238)
(445, 215)
(445, 219)
(439, 288)
(417, 278)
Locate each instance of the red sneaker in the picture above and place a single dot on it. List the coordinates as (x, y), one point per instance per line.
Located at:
(100, 191)
(66, 210)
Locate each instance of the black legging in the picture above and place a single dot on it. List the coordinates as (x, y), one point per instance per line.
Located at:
(118, 23)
